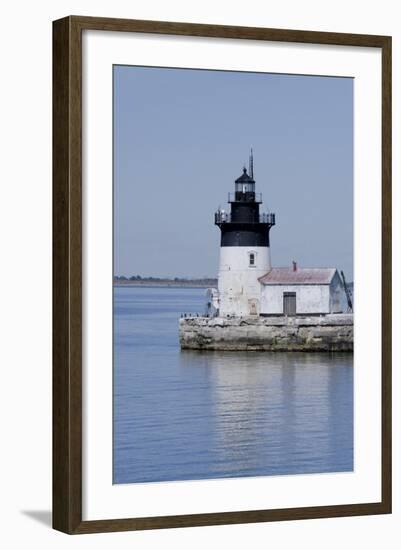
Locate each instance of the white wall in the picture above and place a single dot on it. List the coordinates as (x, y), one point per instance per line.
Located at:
(238, 281)
(26, 273)
(309, 298)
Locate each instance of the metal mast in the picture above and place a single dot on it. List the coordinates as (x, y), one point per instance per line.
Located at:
(251, 164)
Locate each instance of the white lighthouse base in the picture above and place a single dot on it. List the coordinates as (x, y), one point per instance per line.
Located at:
(238, 285)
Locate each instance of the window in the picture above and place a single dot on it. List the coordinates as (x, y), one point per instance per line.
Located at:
(252, 259)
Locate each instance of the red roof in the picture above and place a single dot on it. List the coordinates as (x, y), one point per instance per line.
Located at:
(302, 276)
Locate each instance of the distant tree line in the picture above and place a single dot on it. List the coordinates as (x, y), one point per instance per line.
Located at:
(175, 279)
(124, 278)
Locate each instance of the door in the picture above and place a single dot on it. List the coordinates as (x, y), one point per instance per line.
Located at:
(289, 303)
(253, 307)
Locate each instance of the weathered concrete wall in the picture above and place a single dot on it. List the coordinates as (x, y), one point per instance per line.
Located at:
(239, 287)
(326, 333)
(309, 298)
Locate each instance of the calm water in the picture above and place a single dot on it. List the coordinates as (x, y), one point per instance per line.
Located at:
(193, 415)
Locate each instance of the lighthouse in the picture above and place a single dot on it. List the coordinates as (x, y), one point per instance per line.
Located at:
(244, 248)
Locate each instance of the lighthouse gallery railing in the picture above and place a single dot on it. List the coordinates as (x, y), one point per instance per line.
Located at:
(225, 217)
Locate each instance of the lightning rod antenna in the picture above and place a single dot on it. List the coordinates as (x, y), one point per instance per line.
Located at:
(251, 164)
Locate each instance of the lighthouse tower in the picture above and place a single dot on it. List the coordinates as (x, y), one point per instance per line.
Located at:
(244, 248)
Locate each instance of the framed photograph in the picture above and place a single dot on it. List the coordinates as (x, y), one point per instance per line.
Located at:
(222, 274)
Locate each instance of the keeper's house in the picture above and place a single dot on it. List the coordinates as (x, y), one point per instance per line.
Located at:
(301, 291)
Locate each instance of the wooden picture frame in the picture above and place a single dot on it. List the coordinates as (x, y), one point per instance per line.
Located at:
(67, 274)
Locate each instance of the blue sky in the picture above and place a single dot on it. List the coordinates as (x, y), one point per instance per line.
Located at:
(181, 138)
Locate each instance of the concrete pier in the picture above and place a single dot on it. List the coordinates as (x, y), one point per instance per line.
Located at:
(333, 332)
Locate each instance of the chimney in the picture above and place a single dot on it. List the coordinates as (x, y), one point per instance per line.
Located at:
(294, 266)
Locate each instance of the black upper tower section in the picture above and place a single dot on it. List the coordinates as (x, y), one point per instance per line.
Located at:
(244, 225)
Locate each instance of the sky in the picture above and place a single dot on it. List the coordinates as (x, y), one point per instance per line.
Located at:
(181, 138)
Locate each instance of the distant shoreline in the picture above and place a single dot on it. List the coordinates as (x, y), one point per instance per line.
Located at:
(171, 283)
(166, 283)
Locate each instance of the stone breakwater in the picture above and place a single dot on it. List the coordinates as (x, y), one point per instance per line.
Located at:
(334, 332)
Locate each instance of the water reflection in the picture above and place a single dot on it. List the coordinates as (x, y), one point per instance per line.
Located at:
(192, 415)
(283, 412)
